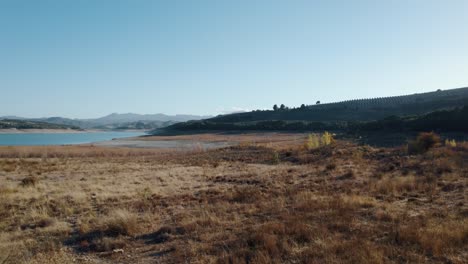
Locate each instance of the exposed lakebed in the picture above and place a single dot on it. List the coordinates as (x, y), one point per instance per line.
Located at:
(166, 144)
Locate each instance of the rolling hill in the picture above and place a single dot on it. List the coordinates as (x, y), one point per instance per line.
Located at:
(333, 115)
(360, 109)
(25, 124)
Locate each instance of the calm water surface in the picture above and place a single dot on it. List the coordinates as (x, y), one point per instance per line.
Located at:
(35, 139)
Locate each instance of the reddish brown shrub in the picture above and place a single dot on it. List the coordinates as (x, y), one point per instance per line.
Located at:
(424, 142)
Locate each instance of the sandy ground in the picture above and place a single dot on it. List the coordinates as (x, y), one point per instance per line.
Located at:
(176, 144)
(202, 141)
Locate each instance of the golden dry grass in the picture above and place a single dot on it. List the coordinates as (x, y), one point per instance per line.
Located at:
(265, 201)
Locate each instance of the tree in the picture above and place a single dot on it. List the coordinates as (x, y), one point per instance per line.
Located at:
(318, 102)
(140, 125)
(282, 107)
(303, 106)
(275, 107)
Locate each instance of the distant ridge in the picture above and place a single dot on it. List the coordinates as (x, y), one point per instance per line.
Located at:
(350, 114)
(131, 117)
(396, 101)
(24, 124)
(116, 121)
(360, 109)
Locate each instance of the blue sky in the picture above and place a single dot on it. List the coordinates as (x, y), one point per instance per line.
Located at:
(89, 58)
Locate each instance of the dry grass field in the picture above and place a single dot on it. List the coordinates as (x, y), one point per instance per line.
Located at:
(269, 199)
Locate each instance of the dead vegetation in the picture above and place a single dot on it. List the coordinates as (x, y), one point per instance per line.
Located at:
(259, 202)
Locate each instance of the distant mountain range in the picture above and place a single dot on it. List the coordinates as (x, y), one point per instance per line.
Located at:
(115, 121)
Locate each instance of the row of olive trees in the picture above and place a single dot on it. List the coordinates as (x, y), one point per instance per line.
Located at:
(391, 101)
(283, 107)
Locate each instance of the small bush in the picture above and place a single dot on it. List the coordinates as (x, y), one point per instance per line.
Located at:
(29, 181)
(330, 166)
(107, 232)
(45, 222)
(275, 158)
(314, 141)
(423, 143)
(120, 222)
(327, 138)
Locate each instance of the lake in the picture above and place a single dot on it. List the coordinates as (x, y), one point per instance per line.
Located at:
(41, 139)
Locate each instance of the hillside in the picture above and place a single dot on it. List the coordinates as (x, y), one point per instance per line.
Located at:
(454, 120)
(360, 109)
(23, 124)
(345, 115)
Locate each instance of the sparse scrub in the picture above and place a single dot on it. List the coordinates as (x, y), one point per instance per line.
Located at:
(327, 138)
(119, 222)
(330, 166)
(443, 165)
(423, 143)
(347, 176)
(8, 165)
(108, 232)
(314, 141)
(436, 237)
(245, 195)
(383, 215)
(29, 181)
(358, 201)
(452, 143)
(276, 158)
(340, 204)
(404, 184)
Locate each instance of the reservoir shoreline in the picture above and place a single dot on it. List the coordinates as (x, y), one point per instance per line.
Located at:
(60, 138)
(62, 131)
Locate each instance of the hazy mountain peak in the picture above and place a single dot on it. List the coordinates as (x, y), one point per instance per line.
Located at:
(113, 119)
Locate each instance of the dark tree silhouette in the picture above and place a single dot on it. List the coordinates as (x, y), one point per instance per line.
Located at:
(275, 107)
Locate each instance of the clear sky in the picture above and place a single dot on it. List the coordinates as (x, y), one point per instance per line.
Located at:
(89, 58)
